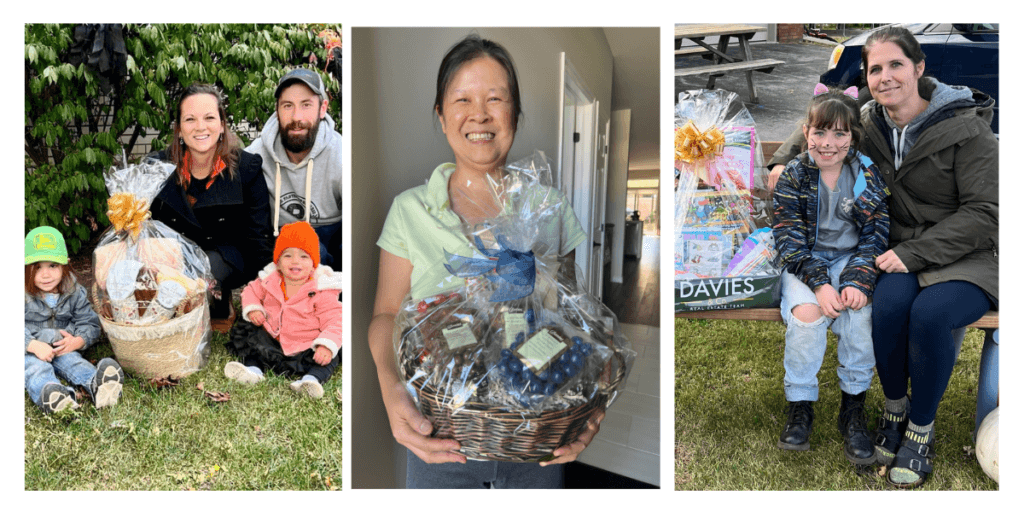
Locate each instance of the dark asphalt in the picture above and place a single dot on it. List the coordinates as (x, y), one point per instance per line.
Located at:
(784, 93)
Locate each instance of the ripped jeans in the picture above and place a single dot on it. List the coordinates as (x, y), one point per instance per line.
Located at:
(806, 342)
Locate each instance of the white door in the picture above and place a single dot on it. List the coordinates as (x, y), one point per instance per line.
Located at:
(578, 172)
(598, 193)
(618, 165)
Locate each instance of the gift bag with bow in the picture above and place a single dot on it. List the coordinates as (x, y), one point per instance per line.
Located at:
(722, 217)
(151, 283)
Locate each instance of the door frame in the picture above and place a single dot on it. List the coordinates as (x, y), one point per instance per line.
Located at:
(577, 166)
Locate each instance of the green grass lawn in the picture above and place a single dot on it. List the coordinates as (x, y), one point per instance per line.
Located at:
(729, 407)
(264, 437)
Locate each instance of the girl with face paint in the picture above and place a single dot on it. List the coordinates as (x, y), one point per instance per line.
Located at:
(831, 222)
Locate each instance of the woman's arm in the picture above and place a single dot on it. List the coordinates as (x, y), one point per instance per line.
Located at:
(257, 201)
(409, 427)
(782, 156)
(975, 224)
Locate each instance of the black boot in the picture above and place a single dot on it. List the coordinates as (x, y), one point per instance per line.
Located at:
(797, 434)
(858, 445)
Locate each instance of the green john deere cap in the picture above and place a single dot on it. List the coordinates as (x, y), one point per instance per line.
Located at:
(45, 244)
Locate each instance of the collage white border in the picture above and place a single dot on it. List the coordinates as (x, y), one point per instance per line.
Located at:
(523, 13)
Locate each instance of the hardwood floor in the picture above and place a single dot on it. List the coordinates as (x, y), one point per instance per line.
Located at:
(636, 299)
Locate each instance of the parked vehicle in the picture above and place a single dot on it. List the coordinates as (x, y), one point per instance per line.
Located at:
(955, 54)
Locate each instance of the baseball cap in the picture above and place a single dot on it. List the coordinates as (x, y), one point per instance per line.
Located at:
(45, 244)
(306, 76)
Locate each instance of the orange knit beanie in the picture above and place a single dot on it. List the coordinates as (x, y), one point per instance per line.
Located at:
(300, 235)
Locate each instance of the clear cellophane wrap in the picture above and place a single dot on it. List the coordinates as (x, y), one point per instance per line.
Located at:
(152, 284)
(723, 206)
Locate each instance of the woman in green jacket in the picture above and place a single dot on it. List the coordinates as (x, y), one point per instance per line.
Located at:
(937, 154)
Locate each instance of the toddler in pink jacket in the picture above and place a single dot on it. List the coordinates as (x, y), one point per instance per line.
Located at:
(291, 317)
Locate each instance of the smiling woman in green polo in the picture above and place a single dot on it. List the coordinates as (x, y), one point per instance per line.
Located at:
(478, 107)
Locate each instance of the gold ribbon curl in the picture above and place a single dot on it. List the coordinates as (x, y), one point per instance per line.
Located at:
(126, 212)
(693, 144)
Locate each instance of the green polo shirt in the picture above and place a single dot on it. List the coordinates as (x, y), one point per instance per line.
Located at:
(421, 226)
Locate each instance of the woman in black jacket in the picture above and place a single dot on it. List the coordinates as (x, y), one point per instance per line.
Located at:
(217, 196)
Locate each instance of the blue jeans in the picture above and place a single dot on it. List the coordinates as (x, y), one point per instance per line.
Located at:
(477, 474)
(806, 342)
(71, 367)
(330, 245)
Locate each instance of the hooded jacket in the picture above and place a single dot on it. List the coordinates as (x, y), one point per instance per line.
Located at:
(944, 209)
(309, 190)
(796, 223)
(308, 319)
(73, 313)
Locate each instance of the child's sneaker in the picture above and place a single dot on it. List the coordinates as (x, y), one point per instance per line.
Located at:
(239, 372)
(308, 385)
(105, 386)
(56, 398)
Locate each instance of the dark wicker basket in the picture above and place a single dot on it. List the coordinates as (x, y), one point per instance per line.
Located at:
(495, 433)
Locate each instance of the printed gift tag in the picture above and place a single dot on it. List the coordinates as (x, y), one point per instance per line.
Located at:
(538, 352)
(515, 323)
(459, 335)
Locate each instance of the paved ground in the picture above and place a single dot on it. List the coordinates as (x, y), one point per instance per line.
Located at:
(784, 92)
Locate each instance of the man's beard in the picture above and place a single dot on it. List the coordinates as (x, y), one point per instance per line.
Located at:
(296, 143)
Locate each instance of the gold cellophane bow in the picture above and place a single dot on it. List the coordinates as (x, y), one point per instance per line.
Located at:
(126, 212)
(693, 145)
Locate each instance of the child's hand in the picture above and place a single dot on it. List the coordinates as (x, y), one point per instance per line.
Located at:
(322, 356)
(257, 318)
(829, 301)
(41, 350)
(68, 344)
(854, 298)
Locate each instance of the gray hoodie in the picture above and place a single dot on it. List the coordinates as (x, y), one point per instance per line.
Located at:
(944, 98)
(295, 197)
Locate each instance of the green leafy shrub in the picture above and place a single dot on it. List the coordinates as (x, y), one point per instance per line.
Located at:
(75, 129)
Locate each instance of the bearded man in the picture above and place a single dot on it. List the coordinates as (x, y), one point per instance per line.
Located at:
(301, 153)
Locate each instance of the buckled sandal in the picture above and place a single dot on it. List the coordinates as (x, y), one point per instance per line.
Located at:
(889, 435)
(914, 459)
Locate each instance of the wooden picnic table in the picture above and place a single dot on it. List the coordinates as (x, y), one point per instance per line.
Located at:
(723, 63)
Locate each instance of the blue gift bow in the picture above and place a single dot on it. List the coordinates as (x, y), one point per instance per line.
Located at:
(514, 271)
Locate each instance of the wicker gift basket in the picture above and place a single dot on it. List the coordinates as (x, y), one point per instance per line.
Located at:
(173, 348)
(513, 358)
(151, 283)
(464, 397)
